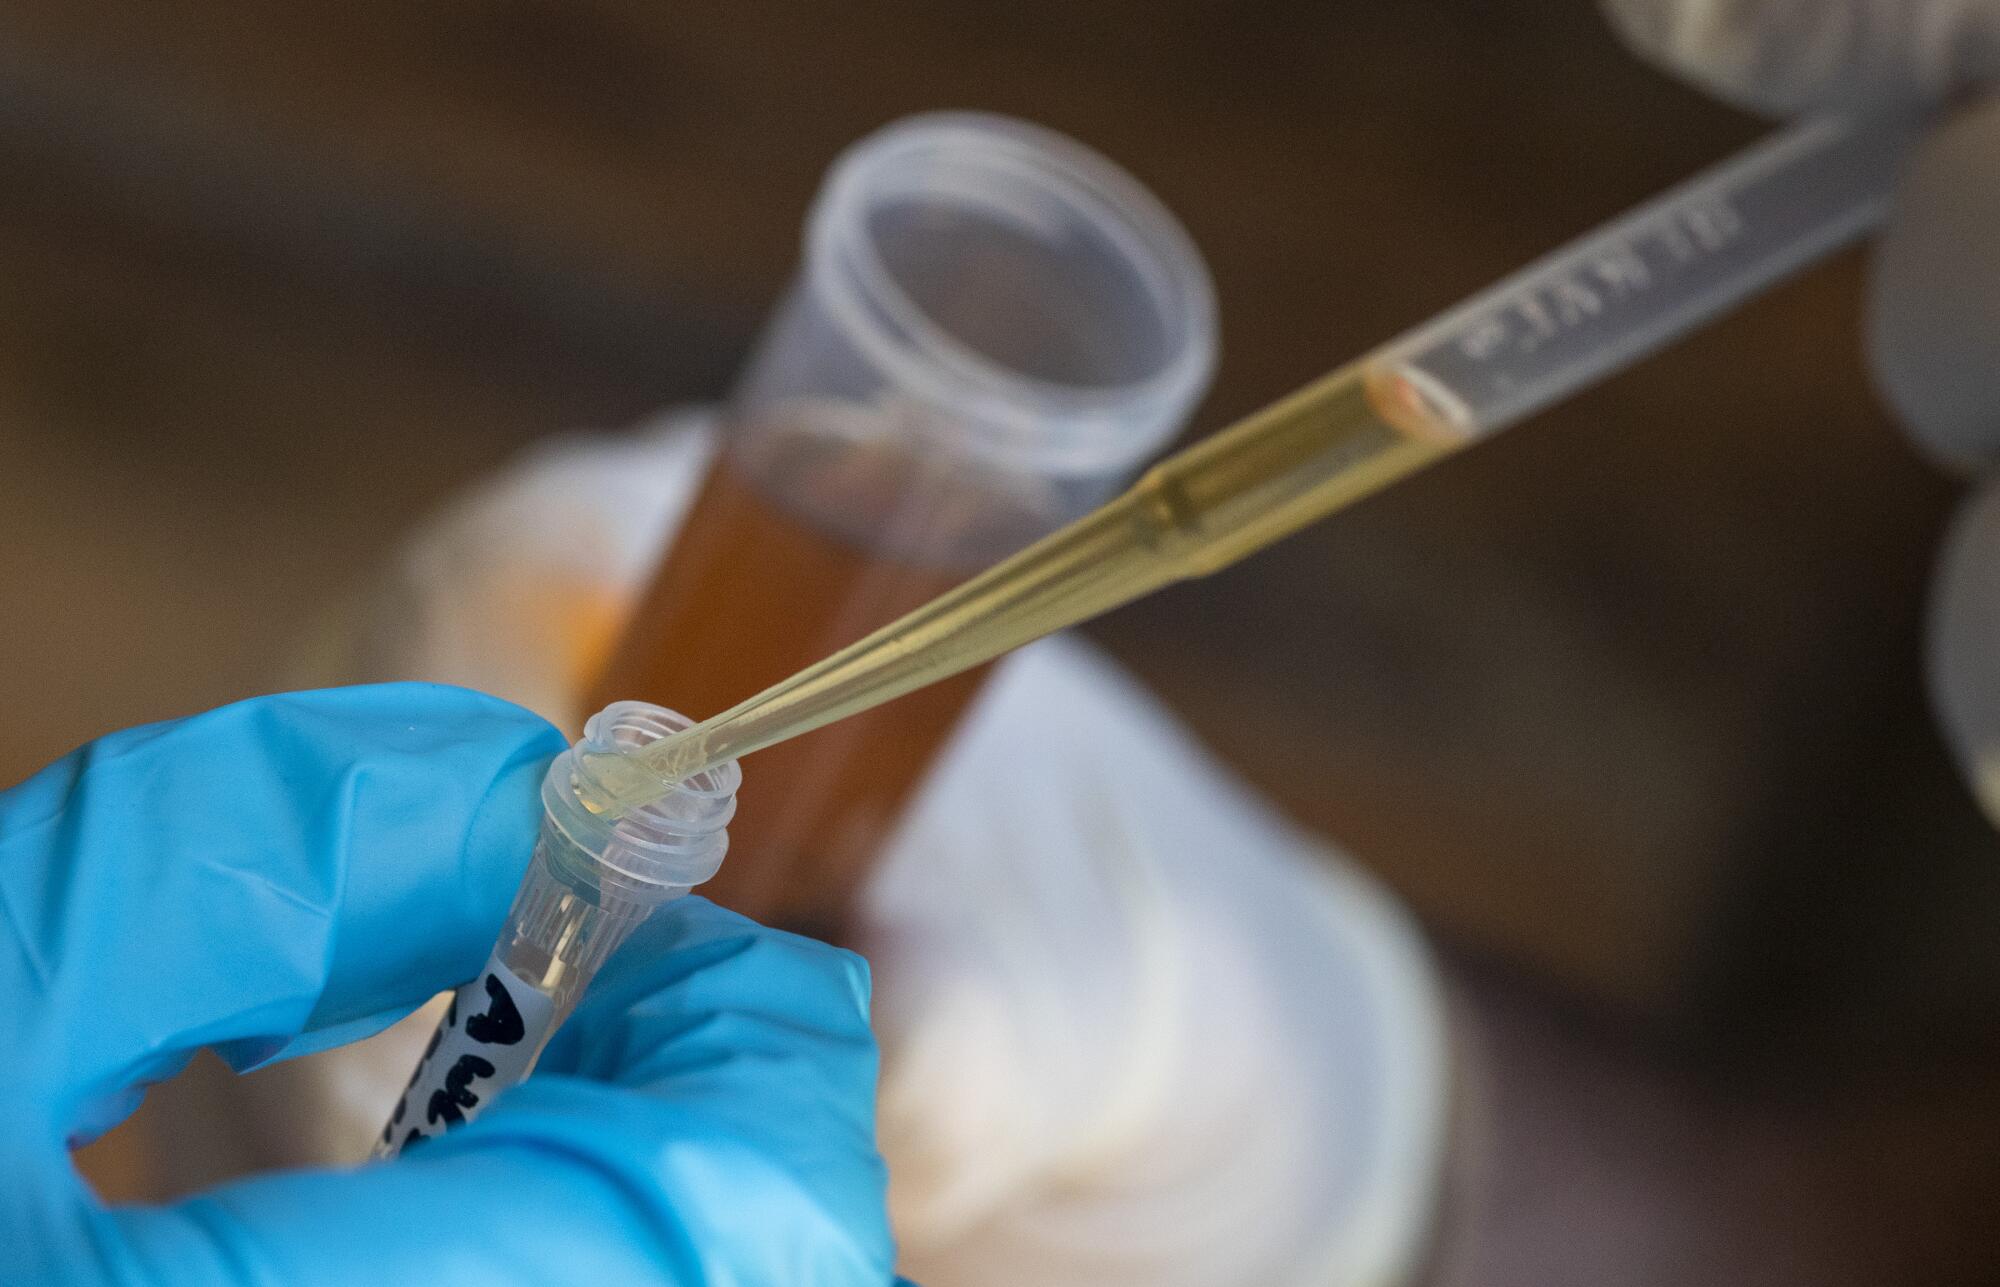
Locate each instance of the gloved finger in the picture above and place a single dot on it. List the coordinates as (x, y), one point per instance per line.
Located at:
(702, 1001)
(1934, 293)
(707, 1116)
(1790, 56)
(312, 863)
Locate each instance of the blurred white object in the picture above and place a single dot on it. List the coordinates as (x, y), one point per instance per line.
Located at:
(1794, 56)
(1933, 324)
(1934, 292)
(1965, 645)
(1135, 1027)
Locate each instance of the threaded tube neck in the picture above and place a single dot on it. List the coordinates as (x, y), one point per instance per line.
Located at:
(652, 852)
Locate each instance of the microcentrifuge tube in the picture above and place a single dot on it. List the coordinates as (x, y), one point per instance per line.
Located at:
(597, 872)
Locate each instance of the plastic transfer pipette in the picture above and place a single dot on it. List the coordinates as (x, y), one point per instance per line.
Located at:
(1557, 326)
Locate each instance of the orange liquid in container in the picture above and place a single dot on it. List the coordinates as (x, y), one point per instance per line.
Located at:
(992, 326)
(754, 590)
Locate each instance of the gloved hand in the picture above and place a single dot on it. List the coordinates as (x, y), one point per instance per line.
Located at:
(288, 873)
(1933, 323)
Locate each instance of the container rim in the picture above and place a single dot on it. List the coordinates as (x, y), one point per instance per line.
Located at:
(1074, 427)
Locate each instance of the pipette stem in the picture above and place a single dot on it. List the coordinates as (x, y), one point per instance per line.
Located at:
(1559, 325)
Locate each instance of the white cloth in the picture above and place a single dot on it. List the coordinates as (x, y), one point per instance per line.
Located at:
(1136, 1028)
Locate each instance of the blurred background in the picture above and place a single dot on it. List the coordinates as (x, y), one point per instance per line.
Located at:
(1626, 704)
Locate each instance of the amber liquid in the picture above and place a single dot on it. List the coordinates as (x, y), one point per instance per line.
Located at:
(750, 593)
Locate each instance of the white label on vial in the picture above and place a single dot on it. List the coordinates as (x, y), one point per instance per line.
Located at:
(488, 1037)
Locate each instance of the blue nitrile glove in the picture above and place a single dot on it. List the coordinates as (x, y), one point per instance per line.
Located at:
(288, 873)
